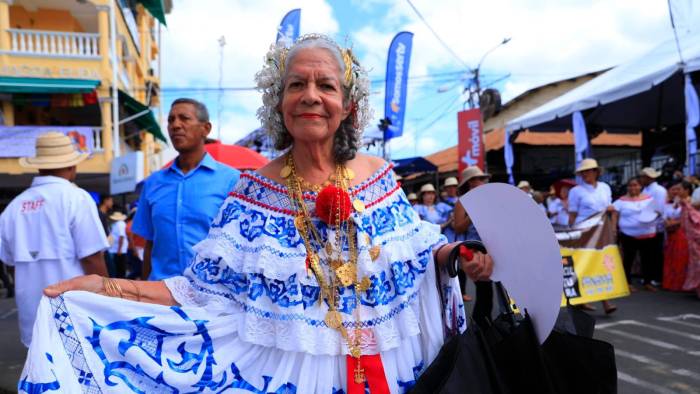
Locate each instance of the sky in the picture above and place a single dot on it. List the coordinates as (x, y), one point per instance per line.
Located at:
(550, 40)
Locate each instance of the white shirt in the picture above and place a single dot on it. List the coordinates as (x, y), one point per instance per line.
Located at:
(118, 229)
(586, 200)
(637, 217)
(671, 211)
(695, 197)
(560, 215)
(658, 193)
(45, 232)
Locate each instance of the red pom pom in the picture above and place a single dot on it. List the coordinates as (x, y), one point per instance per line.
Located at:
(327, 203)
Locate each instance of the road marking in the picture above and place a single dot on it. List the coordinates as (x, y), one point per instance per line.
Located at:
(641, 383)
(654, 342)
(658, 364)
(681, 319)
(8, 313)
(659, 328)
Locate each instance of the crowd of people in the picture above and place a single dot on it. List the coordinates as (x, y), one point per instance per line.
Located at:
(657, 226)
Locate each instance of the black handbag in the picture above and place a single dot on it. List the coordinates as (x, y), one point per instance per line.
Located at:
(503, 355)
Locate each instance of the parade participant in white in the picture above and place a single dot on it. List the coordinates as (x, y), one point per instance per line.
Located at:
(648, 178)
(51, 231)
(120, 243)
(291, 291)
(587, 199)
(590, 196)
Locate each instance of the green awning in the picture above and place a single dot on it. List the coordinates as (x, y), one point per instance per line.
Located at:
(46, 85)
(147, 121)
(155, 7)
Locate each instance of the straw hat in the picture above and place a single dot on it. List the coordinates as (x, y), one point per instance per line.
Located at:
(451, 181)
(117, 216)
(412, 196)
(650, 172)
(428, 187)
(587, 164)
(53, 150)
(472, 172)
(523, 184)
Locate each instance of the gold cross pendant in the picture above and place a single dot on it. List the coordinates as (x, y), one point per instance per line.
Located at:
(359, 374)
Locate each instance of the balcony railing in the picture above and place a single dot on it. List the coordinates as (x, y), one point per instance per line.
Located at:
(54, 43)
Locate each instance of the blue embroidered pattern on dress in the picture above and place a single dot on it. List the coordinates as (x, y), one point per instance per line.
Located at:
(37, 388)
(289, 293)
(74, 350)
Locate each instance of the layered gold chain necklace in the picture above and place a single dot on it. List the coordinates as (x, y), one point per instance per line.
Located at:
(337, 271)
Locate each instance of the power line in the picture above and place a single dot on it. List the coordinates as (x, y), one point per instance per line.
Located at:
(438, 37)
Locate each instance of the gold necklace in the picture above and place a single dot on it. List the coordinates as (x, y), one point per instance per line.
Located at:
(340, 273)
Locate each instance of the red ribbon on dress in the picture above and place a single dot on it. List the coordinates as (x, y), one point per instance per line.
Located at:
(374, 373)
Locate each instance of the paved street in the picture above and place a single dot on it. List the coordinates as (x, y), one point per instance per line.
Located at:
(657, 342)
(656, 339)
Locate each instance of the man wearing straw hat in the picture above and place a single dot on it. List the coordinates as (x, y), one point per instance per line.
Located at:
(51, 231)
(119, 244)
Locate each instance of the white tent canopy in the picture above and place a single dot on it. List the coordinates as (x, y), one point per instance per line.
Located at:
(621, 98)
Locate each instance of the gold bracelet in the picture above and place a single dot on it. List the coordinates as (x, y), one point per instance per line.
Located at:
(138, 293)
(112, 287)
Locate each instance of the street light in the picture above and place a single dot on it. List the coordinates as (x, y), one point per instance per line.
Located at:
(477, 91)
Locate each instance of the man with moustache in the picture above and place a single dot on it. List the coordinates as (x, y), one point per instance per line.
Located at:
(178, 203)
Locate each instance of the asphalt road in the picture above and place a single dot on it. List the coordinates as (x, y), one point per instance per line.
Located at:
(656, 338)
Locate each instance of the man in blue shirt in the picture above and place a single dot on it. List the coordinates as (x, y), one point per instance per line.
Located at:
(178, 203)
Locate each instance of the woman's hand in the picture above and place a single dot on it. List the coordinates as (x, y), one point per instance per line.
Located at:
(91, 283)
(479, 267)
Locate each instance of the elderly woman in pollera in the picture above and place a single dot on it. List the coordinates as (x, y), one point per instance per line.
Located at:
(317, 275)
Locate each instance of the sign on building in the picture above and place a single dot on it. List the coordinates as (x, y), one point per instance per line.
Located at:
(126, 172)
(470, 144)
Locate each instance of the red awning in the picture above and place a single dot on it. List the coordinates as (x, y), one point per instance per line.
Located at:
(238, 157)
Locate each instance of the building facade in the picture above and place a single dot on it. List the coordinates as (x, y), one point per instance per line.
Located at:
(64, 64)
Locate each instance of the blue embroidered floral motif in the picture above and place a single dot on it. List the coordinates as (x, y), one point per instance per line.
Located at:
(38, 388)
(386, 219)
(284, 293)
(150, 339)
(289, 293)
(254, 223)
(230, 213)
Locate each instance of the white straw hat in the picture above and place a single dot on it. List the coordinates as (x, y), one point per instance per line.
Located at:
(523, 184)
(117, 216)
(587, 164)
(451, 181)
(412, 196)
(428, 187)
(53, 150)
(650, 172)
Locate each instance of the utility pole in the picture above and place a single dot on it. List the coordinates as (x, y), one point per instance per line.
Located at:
(222, 43)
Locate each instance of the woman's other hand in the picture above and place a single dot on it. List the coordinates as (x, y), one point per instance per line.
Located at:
(91, 283)
(479, 267)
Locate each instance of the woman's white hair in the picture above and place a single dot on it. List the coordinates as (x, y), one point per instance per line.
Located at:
(270, 81)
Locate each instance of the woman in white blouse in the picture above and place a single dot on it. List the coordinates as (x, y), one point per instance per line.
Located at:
(587, 199)
(635, 216)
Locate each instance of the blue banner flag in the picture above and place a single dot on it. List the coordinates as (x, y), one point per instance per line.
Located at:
(396, 80)
(288, 30)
